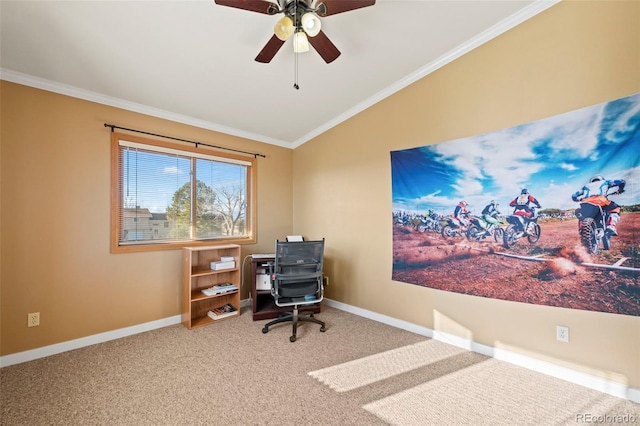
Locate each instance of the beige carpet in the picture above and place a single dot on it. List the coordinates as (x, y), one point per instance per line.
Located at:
(359, 372)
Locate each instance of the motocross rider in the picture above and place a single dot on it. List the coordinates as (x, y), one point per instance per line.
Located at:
(460, 212)
(596, 192)
(490, 212)
(522, 204)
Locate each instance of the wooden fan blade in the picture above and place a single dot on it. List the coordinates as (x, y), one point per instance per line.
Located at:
(324, 47)
(269, 50)
(331, 7)
(260, 6)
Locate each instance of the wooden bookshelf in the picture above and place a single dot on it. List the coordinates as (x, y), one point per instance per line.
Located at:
(197, 275)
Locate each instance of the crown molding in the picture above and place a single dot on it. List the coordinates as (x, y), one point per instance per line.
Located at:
(87, 95)
(501, 27)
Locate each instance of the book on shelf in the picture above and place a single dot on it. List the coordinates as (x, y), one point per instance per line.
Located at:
(227, 259)
(222, 312)
(219, 289)
(217, 266)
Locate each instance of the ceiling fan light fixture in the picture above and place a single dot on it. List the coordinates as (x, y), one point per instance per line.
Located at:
(301, 19)
(283, 28)
(311, 24)
(300, 42)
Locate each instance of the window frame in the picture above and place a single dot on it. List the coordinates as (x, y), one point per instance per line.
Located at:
(117, 198)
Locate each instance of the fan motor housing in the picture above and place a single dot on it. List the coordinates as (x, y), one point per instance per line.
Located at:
(295, 9)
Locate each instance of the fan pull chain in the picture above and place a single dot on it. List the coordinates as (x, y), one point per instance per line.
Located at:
(295, 67)
(295, 53)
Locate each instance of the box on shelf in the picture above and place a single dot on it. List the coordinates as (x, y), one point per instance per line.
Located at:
(216, 266)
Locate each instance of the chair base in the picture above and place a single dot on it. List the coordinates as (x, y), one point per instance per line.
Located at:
(295, 317)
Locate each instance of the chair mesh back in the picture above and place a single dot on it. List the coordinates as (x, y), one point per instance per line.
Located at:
(299, 255)
(298, 268)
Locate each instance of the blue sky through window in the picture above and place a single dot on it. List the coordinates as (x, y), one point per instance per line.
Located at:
(151, 179)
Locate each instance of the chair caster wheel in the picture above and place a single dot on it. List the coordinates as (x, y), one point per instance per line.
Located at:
(323, 329)
(292, 339)
(265, 330)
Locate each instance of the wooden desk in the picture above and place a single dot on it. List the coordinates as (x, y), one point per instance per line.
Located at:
(262, 304)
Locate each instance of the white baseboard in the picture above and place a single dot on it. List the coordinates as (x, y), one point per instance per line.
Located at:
(609, 387)
(45, 351)
(590, 381)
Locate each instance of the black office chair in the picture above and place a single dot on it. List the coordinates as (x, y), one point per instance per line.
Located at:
(296, 280)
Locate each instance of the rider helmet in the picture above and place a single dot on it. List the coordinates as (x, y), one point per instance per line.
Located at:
(596, 178)
(494, 202)
(464, 203)
(524, 191)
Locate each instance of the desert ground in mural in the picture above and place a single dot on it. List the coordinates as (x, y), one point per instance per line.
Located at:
(557, 278)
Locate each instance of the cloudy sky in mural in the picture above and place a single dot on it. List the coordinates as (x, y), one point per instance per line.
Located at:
(553, 158)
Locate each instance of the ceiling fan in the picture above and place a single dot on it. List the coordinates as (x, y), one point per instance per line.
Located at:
(300, 20)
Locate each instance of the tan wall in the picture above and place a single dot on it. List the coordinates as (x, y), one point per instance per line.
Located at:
(574, 55)
(55, 177)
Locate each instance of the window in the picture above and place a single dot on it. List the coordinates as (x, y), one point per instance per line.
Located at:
(167, 196)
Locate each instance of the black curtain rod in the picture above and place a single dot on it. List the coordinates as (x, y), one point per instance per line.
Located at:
(113, 126)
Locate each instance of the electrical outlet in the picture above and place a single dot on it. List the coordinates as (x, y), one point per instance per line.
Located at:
(562, 333)
(33, 319)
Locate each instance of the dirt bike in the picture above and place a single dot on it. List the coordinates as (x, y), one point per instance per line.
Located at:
(453, 227)
(592, 227)
(428, 224)
(401, 221)
(480, 228)
(521, 226)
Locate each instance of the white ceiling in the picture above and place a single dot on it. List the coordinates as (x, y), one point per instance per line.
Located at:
(193, 61)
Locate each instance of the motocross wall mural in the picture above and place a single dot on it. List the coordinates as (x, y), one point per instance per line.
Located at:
(546, 212)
